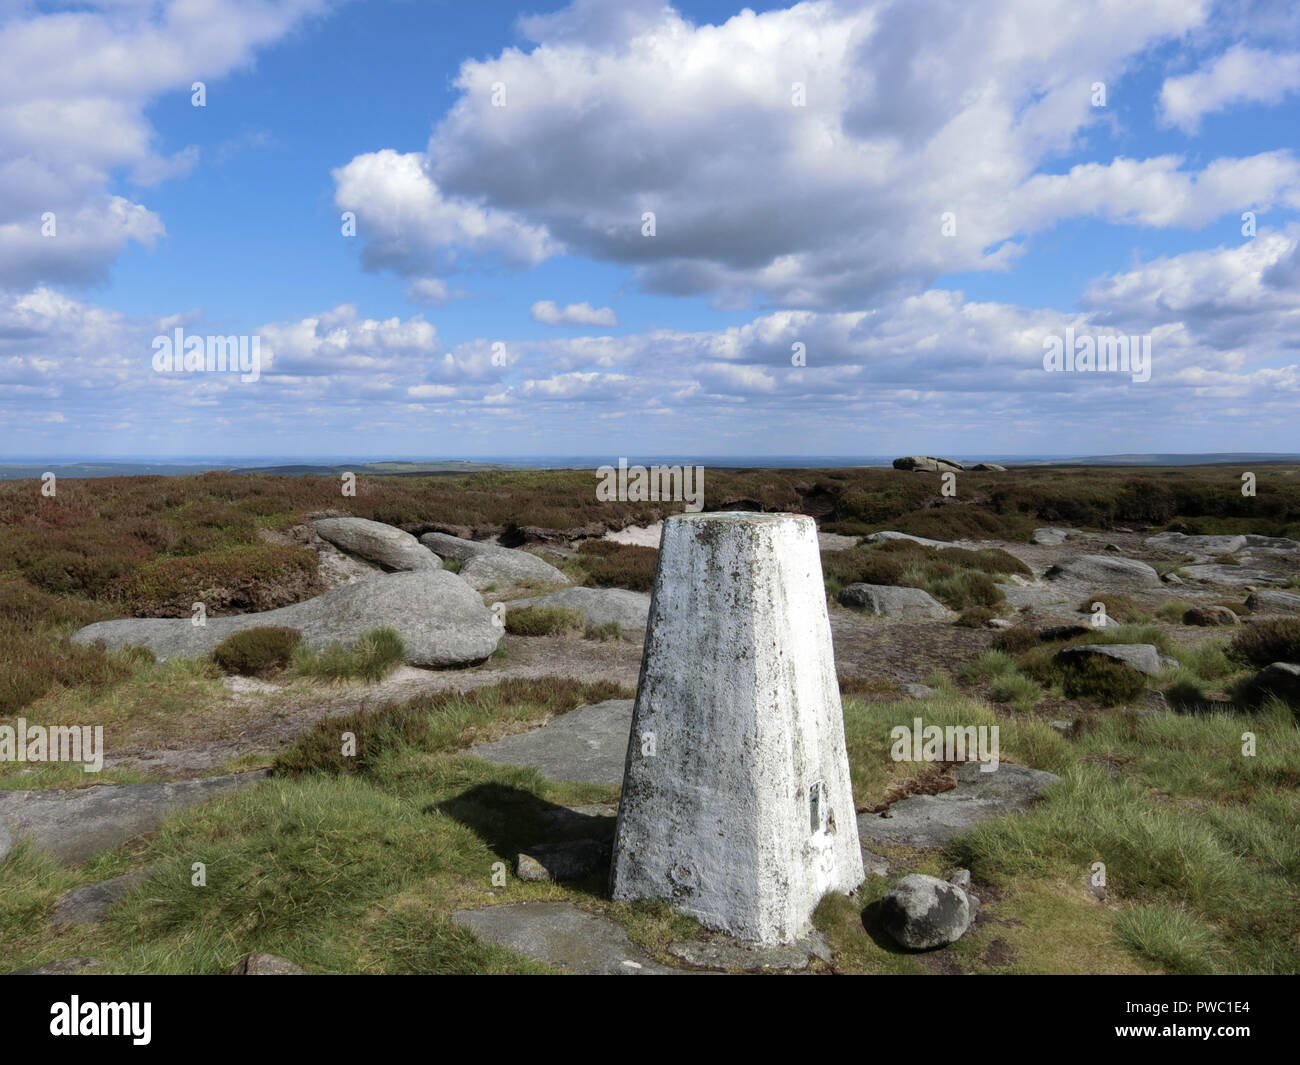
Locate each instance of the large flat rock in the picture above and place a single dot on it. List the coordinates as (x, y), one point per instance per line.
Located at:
(1104, 569)
(599, 606)
(1197, 545)
(1219, 573)
(882, 537)
(895, 601)
(588, 744)
(560, 934)
(77, 824)
(441, 620)
(933, 820)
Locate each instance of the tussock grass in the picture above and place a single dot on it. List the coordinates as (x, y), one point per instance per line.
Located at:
(371, 658)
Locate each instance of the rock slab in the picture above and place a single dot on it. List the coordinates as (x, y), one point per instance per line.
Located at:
(78, 824)
(441, 620)
(89, 905)
(561, 935)
(933, 820)
(887, 600)
(588, 744)
(1104, 569)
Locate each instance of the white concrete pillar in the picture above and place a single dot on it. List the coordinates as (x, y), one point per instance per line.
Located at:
(736, 804)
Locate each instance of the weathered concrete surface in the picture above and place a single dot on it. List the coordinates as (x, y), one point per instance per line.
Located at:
(560, 934)
(588, 744)
(376, 542)
(736, 802)
(78, 824)
(933, 820)
(733, 954)
(441, 620)
(599, 606)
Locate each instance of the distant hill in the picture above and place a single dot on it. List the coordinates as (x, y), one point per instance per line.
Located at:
(1226, 458)
(26, 470)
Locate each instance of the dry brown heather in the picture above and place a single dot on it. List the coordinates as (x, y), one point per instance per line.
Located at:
(152, 545)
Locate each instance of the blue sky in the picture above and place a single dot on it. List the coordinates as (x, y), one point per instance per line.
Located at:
(500, 298)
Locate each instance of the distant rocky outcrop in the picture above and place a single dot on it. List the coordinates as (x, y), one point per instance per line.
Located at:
(928, 464)
(376, 542)
(441, 620)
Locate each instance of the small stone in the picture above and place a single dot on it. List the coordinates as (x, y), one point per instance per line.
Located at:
(265, 965)
(917, 691)
(571, 860)
(958, 877)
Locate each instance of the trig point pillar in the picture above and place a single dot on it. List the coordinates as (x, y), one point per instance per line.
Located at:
(736, 803)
